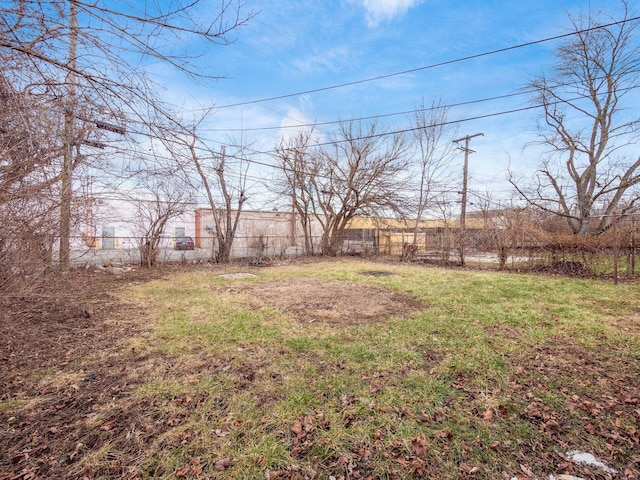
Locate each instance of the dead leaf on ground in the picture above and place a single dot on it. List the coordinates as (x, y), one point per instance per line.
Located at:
(223, 464)
(527, 471)
(419, 447)
(468, 469)
(442, 434)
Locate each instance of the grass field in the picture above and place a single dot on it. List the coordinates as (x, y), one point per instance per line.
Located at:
(491, 376)
(362, 370)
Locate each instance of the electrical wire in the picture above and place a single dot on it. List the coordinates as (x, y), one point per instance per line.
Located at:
(271, 153)
(427, 67)
(372, 117)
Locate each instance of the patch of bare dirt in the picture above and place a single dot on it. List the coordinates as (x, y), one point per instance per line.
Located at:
(334, 302)
(65, 380)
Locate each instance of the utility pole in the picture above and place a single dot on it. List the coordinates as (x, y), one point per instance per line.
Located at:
(294, 205)
(463, 208)
(69, 142)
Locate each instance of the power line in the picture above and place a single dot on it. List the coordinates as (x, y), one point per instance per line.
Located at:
(462, 120)
(271, 153)
(427, 67)
(301, 124)
(373, 117)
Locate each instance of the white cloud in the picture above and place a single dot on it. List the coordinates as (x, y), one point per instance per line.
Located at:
(380, 10)
(296, 121)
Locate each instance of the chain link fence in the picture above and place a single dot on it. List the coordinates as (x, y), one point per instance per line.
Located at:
(610, 255)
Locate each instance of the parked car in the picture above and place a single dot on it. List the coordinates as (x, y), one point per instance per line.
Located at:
(184, 243)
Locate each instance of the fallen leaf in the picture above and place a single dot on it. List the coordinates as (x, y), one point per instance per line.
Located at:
(297, 428)
(308, 423)
(442, 434)
(183, 472)
(418, 467)
(550, 425)
(197, 469)
(107, 424)
(419, 447)
(527, 471)
(522, 476)
(468, 469)
(223, 464)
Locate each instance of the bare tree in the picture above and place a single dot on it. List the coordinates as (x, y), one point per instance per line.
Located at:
(159, 197)
(208, 170)
(590, 173)
(294, 155)
(432, 136)
(111, 41)
(89, 59)
(227, 215)
(361, 171)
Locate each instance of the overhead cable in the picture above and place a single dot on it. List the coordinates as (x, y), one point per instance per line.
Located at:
(426, 67)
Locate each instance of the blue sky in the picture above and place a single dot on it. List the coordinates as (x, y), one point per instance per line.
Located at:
(293, 46)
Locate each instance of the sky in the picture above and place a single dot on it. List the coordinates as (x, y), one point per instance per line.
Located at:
(298, 62)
